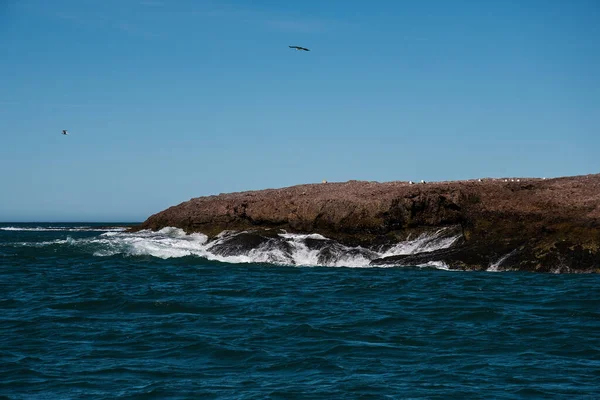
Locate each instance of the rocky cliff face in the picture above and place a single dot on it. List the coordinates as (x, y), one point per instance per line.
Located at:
(548, 225)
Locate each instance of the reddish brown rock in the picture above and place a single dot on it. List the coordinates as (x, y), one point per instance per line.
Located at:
(546, 225)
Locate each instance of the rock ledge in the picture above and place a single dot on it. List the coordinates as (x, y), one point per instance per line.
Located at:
(545, 225)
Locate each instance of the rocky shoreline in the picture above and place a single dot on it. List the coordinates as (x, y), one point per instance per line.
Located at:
(529, 224)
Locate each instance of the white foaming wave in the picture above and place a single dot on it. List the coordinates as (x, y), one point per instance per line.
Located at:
(495, 266)
(354, 261)
(423, 244)
(175, 243)
(301, 254)
(62, 229)
(302, 236)
(343, 256)
(435, 264)
(167, 243)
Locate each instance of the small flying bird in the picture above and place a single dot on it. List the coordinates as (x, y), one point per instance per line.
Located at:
(64, 132)
(299, 48)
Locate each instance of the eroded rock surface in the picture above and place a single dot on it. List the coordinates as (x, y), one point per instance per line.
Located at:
(549, 225)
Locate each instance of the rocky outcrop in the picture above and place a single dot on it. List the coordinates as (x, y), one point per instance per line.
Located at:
(549, 225)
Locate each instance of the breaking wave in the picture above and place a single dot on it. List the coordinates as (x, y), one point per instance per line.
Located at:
(245, 247)
(62, 229)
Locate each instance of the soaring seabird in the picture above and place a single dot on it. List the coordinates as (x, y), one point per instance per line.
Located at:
(65, 132)
(299, 48)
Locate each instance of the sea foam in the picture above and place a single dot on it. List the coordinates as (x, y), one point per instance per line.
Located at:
(282, 249)
(62, 229)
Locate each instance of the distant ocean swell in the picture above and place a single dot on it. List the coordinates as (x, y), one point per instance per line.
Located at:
(282, 249)
(61, 229)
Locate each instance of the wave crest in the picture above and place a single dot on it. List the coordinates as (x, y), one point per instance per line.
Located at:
(246, 247)
(62, 229)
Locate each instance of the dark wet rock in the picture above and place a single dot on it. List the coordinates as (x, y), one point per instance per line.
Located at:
(465, 256)
(506, 255)
(336, 252)
(242, 243)
(317, 244)
(541, 225)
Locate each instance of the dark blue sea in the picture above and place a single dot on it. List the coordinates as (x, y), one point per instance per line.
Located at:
(88, 311)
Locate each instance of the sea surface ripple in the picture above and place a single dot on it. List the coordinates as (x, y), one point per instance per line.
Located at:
(78, 325)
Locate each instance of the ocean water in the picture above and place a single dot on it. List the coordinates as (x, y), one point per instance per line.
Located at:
(88, 311)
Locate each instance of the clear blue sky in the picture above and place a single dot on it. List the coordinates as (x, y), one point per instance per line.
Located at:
(169, 100)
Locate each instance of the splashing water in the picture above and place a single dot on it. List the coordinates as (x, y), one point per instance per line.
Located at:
(281, 249)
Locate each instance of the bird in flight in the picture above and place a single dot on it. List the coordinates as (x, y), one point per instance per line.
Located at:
(299, 48)
(64, 132)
